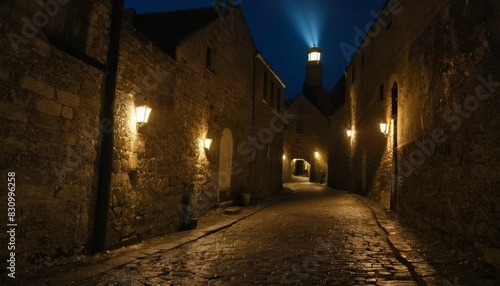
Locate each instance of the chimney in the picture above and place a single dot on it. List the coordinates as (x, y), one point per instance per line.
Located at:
(129, 15)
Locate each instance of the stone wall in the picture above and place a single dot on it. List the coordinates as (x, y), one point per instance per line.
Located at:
(154, 165)
(265, 147)
(441, 59)
(51, 86)
(311, 144)
(49, 104)
(339, 163)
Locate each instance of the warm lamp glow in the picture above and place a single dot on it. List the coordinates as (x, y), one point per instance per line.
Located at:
(349, 133)
(316, 154)
(314, 54)
(284, 156)
(142, 114)
(384, 128)
(207, 143)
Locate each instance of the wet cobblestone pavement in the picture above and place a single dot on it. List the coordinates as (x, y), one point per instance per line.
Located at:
(317, 236)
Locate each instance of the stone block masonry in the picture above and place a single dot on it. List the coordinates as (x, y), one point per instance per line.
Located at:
(49, 104)
(49, 107)
(51, 90)
(433, 76)
(309, 144)
(38, 87)
(155, 164)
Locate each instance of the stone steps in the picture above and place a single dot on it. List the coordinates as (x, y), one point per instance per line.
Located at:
(225, 204)
(233, 210)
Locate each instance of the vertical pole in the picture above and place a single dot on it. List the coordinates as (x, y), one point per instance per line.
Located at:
(394, 194)
(106, 126)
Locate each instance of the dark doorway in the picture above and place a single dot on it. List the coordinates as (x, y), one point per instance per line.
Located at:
(225, 165)
(299, 168)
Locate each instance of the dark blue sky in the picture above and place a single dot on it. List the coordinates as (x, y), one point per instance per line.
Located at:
(284, 30)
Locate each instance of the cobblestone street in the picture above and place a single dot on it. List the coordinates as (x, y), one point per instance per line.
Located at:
(151, 143)
(311, 236)
(316, 237)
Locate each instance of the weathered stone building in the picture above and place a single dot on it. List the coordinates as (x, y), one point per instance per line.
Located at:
(430, 71)
(88, 177)
(306, 137)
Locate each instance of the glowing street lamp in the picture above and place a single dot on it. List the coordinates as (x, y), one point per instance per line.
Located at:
(142, 114)
(384, 128)
(207, 143)
(349, 133)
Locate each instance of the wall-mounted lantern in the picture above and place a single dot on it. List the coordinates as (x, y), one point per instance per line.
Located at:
(316, 154)
(142, 114)
(349, 133)
(206, 144)
(384, 128)
(284, 157)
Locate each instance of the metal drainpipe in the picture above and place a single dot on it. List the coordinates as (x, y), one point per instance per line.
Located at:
(250, 167)
(106, 126)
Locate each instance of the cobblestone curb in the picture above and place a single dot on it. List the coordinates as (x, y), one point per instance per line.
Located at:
(421, 271)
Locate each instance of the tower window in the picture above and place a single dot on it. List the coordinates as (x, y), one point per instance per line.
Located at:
(264, 90)
(299, 129)
(278, 99)
(272, 94)
(388, 21)
(353, 73)
(394, 100)
(210, 59)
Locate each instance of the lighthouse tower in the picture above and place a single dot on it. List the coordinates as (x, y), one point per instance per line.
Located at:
(314, 69)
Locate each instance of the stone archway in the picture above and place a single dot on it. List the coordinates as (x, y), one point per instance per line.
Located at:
(300, 169)
(225, 165)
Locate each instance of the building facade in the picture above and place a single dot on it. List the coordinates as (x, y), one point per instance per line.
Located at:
(422, 109)
(88, 177)
(305, 139)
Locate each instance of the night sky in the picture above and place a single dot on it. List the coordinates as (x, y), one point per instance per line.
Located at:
(284, 30)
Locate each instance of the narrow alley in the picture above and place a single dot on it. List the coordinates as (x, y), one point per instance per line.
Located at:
(241, 142)
(307, 234)
(318, 236)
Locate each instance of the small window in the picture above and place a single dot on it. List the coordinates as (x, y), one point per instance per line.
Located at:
(278, 99)
(272, 94)
(381, 92)
(264, 91)
(210, 59)
(353, 73)
(394, 93)
(300, 126)
(388, 21)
